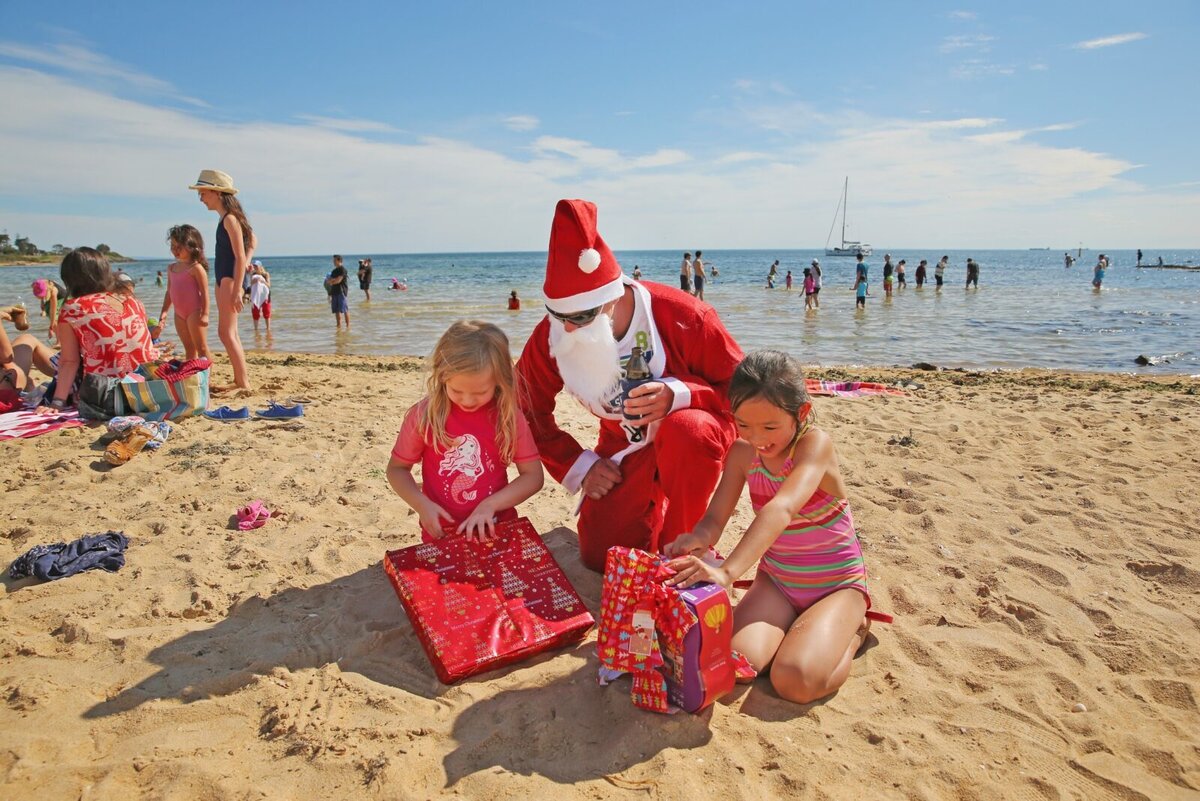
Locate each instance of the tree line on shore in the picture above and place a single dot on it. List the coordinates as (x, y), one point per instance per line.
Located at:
(21, 248)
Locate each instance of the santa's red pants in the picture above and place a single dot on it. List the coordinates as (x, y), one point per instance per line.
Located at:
(664, 490)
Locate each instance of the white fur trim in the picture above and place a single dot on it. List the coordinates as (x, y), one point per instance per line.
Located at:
(589, 260)
(590, 299)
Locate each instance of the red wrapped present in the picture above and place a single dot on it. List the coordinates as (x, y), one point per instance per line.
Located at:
(675, 642)
(478, 606)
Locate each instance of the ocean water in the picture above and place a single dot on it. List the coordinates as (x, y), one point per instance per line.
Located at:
(1029, 311)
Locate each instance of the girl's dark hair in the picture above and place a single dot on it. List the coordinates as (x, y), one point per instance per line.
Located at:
(187, 237)
(234, 206)
(86, 271)
(771, 375)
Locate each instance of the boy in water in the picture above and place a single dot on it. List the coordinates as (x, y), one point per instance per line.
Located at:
(860, 289)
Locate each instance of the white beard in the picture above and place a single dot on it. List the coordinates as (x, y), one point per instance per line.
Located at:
(588, 360)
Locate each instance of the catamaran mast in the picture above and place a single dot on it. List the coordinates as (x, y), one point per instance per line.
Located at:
(845, 198)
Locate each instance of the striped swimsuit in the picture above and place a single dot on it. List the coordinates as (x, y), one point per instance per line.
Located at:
(818, 553)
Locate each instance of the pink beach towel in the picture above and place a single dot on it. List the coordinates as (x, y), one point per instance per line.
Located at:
(848, 389)
(28, 423)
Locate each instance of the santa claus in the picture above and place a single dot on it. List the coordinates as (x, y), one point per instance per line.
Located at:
(663, 443)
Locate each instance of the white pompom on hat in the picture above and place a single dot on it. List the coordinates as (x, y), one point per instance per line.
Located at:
(581, 272)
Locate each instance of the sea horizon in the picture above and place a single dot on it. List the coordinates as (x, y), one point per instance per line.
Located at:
(1029, 311)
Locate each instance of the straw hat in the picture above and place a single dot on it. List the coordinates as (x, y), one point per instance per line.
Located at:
(215, 180)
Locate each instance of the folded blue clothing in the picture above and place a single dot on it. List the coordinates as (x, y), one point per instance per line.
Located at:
(62, 559)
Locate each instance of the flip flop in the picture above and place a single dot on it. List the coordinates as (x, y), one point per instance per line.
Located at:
(255, 515)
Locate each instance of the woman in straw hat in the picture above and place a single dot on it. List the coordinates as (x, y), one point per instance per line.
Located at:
(235, 245)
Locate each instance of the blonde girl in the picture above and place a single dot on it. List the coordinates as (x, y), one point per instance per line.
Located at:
(464, 433)
(805, 615)
(187, 291)
(235, 246)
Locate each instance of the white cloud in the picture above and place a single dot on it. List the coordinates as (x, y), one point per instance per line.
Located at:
(351, 125)
(585, 156)
(522, 122)
(978, 42)
(1109, 41)
(978, 68)
(80, 60)
(964, 122)
(962, 15)
(742, 157)
(313, 188)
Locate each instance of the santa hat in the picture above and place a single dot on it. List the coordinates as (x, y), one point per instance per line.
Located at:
(581, 272)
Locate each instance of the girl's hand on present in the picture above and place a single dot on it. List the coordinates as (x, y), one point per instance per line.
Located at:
(687, 544)
(481, 525)
(690, 569)
(431, 520)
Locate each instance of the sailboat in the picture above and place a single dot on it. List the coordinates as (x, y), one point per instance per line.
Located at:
(847, 248)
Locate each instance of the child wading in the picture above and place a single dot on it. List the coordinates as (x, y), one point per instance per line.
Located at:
(805, 616)
(465, 433)
(187, 291)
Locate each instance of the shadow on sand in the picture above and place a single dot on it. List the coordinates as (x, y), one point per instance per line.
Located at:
(354, 620)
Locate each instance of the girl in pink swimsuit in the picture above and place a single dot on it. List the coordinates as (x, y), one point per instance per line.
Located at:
(806, 614)
(187, 291)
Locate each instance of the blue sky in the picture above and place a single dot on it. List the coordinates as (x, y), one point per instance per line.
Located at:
(362, 127)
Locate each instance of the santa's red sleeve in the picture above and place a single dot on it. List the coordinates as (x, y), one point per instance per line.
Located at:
(539, 383)
(700, 352)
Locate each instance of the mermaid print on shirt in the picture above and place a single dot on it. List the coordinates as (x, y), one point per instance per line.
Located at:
(466, 459)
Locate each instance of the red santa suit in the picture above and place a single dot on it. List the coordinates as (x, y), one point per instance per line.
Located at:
(670, 468)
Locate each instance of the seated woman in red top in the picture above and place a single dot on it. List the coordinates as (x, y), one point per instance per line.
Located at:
(101, 332)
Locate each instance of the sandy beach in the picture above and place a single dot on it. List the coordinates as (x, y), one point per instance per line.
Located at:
(1036, 535)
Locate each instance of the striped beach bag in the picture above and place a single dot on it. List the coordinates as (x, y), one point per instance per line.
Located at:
(166, 392)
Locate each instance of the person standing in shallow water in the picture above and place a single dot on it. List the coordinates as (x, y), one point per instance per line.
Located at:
(972, 273)
(365, 271)
(685, 273)
(235, 245)
(699, 276)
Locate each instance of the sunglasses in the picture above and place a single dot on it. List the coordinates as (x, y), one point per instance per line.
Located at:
(579, 318)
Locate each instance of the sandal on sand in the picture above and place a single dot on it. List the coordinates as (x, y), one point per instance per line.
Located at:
(255, 515)
(120, 451)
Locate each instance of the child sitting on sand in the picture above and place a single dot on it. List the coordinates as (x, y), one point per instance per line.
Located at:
(187, 291)
(805, 616)
(464, 433)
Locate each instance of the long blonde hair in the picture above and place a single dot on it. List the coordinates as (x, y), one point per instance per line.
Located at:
(471, 346)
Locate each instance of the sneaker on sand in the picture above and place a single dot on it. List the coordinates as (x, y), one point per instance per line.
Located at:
(280, 411)
(226, 414)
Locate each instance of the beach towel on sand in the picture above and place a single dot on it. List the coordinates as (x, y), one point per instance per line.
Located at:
(25, 423)
(848, 389)
(62, 559)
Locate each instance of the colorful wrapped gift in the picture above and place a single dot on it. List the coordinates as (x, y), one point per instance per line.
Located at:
(479, 606)
(675, 642)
